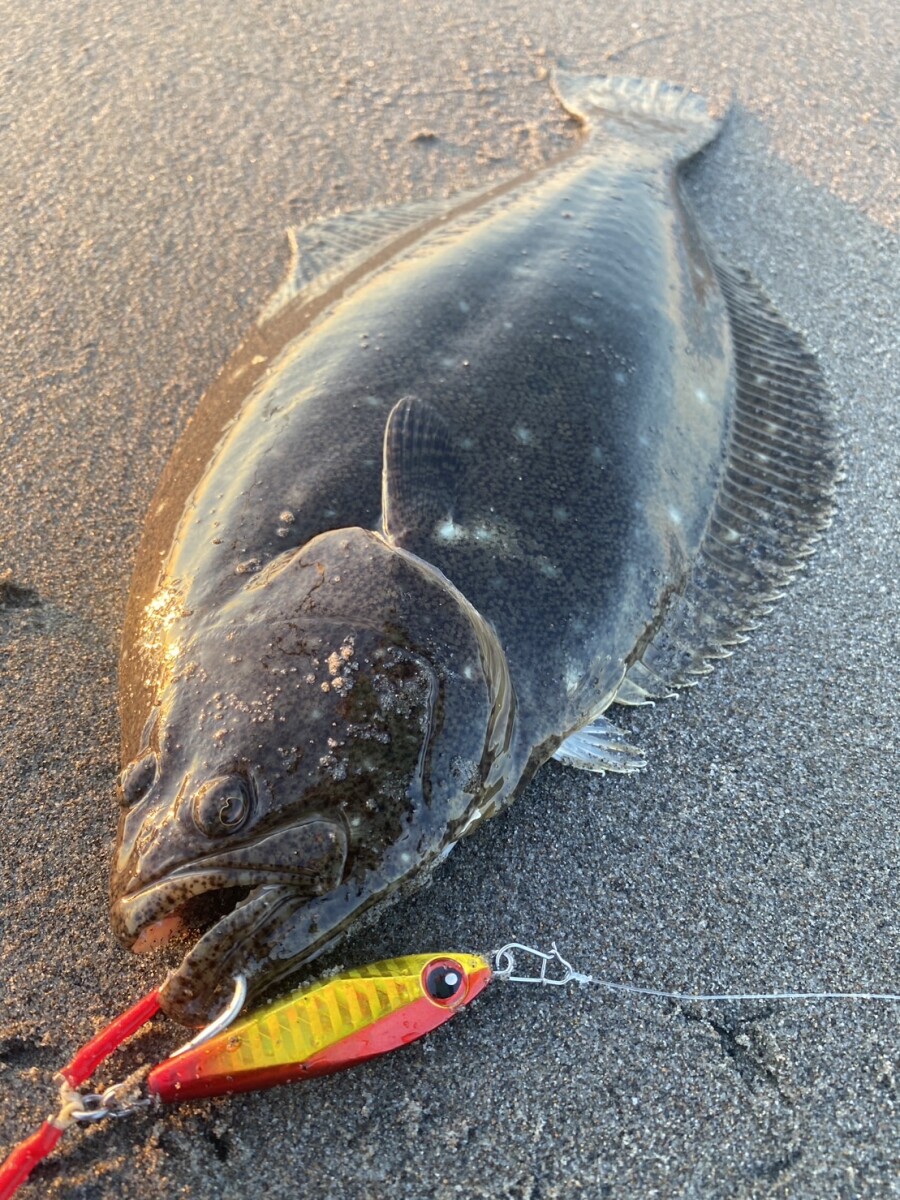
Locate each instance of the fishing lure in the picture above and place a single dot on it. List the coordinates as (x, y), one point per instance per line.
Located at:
(322, 1027)
(319, 1028)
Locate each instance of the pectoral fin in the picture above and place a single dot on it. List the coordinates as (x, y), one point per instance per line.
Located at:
(418, 483)
(600, 747)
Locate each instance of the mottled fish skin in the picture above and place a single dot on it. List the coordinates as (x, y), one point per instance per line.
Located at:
(366, 631)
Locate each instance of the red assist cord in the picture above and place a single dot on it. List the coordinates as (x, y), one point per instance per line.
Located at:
(25, 1157)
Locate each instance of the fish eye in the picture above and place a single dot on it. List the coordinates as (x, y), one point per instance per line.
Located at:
(444, 981)
(221, 806)
(137, 779)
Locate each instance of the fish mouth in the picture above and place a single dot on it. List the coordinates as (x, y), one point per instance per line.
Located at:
(238, 943)
(221, 899)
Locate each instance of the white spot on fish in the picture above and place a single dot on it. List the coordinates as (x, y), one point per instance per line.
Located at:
(448, 532)
(675, 516)
(573, 678)
(597, 455)
(483, 534)
(468, 672)
(523, 435)
(619, 376)
(448, 363)
(463, 306)
(374, 401)
(584, 322)
(507, 324)
(548, 568)
(560, 514)
(701, 395)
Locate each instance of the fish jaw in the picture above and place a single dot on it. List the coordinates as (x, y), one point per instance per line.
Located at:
(276, 931)
(306, 859)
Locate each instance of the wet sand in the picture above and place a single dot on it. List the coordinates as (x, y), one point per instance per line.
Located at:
(150, 166)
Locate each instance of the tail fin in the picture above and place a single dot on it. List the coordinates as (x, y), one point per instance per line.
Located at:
(639, 110)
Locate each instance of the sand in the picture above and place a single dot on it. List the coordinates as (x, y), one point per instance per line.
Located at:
(150, 166)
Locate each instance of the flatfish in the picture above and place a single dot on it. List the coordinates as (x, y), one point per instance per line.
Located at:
(483, 469)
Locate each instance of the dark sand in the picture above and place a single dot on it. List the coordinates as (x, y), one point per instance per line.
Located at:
(150, 165)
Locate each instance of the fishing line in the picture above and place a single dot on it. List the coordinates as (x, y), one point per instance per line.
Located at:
(505, 966)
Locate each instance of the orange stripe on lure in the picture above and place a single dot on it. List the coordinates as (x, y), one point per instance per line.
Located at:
(326, 1026)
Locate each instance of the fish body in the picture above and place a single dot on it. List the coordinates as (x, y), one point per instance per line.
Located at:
(495, 466)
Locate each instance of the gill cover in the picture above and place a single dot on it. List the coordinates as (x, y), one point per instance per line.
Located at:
(325, 733)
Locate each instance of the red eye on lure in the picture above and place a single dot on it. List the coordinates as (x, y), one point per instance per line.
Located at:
(320, 1028)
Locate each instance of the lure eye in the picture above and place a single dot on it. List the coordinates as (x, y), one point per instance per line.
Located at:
(137, 779)
(221, 806)
(445, 982)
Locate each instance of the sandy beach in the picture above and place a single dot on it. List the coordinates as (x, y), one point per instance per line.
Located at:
(151, 164)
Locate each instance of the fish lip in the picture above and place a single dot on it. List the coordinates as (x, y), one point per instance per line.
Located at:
(196, 989)
(131, 914)
(219, 870)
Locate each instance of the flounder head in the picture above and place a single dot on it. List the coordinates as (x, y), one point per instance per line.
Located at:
(324, 736)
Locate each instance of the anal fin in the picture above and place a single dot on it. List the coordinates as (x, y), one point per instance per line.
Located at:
(775, 498)
(599, 747)
(330, 247)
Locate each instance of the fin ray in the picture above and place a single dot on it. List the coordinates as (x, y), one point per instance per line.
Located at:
(330, 247)
(599, 747)
(776, 497)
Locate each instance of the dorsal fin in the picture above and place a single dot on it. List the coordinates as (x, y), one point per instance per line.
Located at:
(419, 476)
(775, 498)
(330, 247)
